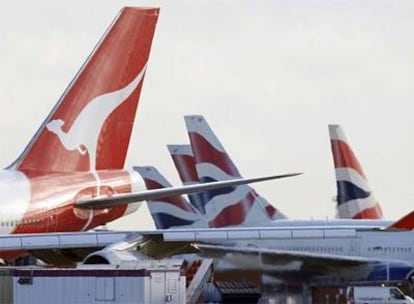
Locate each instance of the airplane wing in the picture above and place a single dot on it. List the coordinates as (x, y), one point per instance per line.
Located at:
(129, 198)
(282, 260)
(65, 248)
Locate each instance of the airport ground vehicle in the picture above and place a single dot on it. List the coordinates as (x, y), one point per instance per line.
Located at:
(376, 295)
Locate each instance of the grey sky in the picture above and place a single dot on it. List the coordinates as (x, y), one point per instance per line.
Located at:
(268, 76)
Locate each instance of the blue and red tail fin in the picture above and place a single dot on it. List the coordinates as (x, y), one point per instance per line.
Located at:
(355, 199)
(90, 126)
(183, 158)
(229, 206)
(173, 211)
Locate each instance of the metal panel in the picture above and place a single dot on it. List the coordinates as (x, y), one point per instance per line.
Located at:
(70, 289)
(59, 240)
(244, 234)
(276, 234)
(105, 289)
(157, 287)
(40, 241)
(69, 240)
(334, 233)
(211, 235)
(84, 287)
(308, 233)
(6, 287)
(131, 290)
(173, 295)
(109, 238)
(10, 242)
(179, 236)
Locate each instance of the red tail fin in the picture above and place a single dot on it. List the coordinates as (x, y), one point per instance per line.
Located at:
(90, 126)
(404, 223)
(355, 198)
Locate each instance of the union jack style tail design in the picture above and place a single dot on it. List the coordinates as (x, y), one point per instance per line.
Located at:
(90, 127)
(228, 206)
(183, 158)
(355, 199)
(173, 211)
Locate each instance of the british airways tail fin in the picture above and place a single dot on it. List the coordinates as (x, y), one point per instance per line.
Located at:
(355, 199)
(228, 206)
(183, 158)
(90, 126)
(172, 211)
(404, 223)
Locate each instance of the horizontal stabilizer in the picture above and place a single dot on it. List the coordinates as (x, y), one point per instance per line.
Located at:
(129, 198)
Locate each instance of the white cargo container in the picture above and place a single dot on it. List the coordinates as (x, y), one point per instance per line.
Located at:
(149, 282)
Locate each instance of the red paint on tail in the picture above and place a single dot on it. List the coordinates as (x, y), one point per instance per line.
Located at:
(404, 223)
(344, 157)
(373, 213)
(117, 60)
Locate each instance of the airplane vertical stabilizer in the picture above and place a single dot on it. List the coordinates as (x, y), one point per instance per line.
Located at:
(355, 199)
(90, 126)
(183, 158)
(171, 211)
(228, 206)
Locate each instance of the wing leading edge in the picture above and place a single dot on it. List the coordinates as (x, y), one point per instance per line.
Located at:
(212, 243)
(129, 198)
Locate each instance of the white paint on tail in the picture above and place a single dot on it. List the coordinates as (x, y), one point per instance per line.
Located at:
(84, 133)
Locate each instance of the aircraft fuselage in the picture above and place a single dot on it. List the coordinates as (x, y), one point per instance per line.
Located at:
(33, 203)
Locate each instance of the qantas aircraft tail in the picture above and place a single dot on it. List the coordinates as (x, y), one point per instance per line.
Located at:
(355, 199)
(90, 126)
(228, 206)
(171, 211)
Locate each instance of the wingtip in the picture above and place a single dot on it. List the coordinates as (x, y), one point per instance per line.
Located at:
(293, 174)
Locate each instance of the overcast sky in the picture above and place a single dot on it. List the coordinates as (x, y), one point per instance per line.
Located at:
(269, 76)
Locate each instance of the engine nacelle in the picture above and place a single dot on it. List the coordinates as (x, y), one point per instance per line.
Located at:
(393, 272)
(119, 259)
(125, 253)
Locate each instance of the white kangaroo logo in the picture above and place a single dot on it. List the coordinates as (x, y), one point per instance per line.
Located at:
(84, 133)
